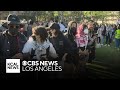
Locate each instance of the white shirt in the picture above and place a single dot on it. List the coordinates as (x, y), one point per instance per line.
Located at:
(40, 48)
(99, 32)
(62, 27)
(118, 21)
(86, 35)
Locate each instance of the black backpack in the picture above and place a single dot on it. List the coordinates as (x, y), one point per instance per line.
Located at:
(47, 51)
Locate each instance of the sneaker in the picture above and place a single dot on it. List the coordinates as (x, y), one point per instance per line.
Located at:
(118, 49)
(105, 45)
(108, 45)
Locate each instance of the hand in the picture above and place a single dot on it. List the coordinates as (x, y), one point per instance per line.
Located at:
(64, 57)
(81, 52)
(18, 56)
(86, 52)
(94, 37)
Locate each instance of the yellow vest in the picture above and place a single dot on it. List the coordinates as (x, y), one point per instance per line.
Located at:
(117, 34)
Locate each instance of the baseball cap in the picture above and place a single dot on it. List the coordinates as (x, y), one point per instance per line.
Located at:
(13, 19)
(54, 26)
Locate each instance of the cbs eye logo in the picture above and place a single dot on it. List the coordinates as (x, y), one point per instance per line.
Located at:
(12, 65)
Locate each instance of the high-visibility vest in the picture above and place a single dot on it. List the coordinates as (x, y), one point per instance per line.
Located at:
(117, 34)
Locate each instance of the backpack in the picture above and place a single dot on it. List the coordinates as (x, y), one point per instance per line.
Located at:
(47, 52)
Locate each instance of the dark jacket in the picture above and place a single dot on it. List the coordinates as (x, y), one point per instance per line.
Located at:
(5, 46)
(71, 31)
(29, 31)
(61, 45)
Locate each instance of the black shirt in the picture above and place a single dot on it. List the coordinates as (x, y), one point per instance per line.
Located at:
(61, 44)
(13, 45)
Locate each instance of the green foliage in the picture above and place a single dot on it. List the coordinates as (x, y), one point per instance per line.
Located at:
(69, 15)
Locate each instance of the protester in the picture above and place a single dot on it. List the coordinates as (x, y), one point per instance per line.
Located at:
(103, 30)
(117, 38)
(108, 35)
(38, 43)
(81, 38)
(63, 48)
(29, 29)
(11, 45)
(72, 29)
(91, 42)
(82, 42)
(62, 27)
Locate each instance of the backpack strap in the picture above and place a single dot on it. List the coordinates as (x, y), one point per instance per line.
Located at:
(47, 51)
(32, 53)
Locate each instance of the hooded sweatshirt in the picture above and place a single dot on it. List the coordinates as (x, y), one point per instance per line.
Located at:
(39, 48)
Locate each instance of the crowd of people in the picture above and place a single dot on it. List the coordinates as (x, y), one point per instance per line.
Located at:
(72, 47)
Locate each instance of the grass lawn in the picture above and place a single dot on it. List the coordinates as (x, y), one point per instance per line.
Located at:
(107, 63)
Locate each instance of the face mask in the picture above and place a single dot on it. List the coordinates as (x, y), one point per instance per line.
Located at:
(73, 30)
(13, 31)
(90, 26)
(38, 39)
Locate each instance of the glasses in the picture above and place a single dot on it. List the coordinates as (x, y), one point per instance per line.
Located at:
(14, 26)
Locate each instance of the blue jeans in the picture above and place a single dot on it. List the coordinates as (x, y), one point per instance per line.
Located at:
(117, 42)
(102, 39)
(108, 39)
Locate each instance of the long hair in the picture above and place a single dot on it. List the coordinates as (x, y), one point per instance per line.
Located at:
(71, 30)
(42, 32)
(58, 32)
(57, 29)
